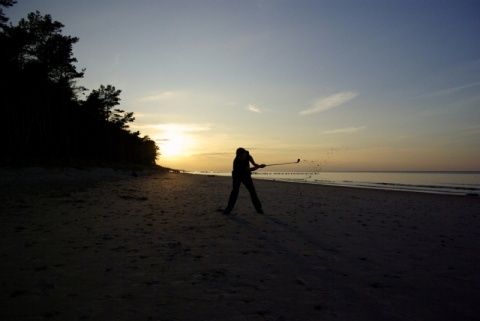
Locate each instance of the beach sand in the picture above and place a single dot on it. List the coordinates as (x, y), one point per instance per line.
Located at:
(105, 245)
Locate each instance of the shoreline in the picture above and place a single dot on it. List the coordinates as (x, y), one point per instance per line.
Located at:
(463, 189)
(84, 174)
(155, 246)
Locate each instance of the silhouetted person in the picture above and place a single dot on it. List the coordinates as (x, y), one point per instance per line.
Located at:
(242, 173)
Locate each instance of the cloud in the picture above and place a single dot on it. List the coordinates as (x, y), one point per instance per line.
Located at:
(165, 95)
(330, 102)
(152, 129)
(181, 128)
(347, 130)
(253, 108)
(452, 90)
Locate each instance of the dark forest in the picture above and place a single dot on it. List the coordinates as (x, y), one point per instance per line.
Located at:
(47, 117)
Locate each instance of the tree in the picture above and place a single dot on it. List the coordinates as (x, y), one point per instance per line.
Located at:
(6, 4)
(38, 85)
(45, 119)
(45, 45)
(101, 102)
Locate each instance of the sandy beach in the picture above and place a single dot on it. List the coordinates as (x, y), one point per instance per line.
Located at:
(106, 245)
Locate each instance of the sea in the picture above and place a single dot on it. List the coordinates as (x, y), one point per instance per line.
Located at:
(457, 183)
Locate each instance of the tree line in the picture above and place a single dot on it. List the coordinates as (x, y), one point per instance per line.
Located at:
(44, 118)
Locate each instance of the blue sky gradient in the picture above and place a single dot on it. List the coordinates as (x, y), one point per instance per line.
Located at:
(347, 85)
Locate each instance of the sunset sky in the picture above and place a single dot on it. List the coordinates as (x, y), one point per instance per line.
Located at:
(342, 85)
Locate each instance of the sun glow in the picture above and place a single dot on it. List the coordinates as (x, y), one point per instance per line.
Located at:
(175, 142)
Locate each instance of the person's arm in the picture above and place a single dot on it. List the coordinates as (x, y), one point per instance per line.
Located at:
(256, 166)
(250, 159)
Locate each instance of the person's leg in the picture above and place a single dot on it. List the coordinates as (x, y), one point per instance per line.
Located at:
(233, 195)
(248, 182)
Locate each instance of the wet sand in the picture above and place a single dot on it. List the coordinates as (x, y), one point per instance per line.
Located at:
(103, 245)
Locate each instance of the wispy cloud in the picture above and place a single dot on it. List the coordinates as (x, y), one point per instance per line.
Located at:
(347, 130)
(184, 128)
(330, 102)
(159, 96)
(254, 108)
(172, 128)
(449, 91)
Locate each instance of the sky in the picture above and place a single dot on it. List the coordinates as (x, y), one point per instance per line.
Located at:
(359, 85)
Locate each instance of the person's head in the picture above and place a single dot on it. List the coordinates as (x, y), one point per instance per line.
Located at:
(242, 152)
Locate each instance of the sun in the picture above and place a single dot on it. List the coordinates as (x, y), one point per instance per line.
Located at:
(175, 143)
(172, 146)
